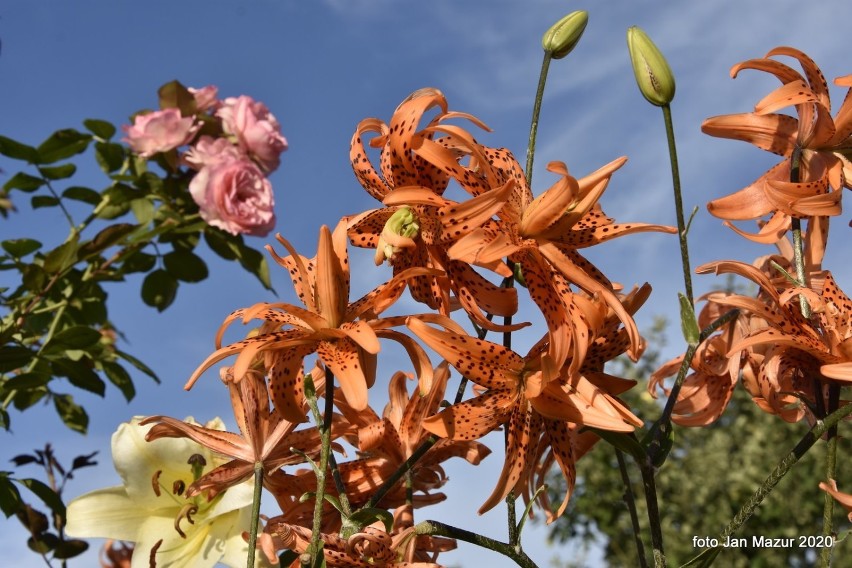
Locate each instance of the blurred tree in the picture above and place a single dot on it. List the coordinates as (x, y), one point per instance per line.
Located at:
(708, 476)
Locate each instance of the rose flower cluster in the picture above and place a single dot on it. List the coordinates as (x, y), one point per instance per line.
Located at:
(454, 257)
(234, 144)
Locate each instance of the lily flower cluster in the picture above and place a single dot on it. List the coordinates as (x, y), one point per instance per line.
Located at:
(791, 345)
(791, 340)
(234, 144)
(454, 257)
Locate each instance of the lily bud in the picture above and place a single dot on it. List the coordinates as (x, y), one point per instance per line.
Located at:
(653, 75)
(398, 233)
(565, 34)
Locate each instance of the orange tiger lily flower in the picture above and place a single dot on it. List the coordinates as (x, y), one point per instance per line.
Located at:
(415, 169)
(265, 436)
(372, 547)
(518, 396)
(345, 336)
(795, 349)
(542, 235)
(816, 143)
(386, 443)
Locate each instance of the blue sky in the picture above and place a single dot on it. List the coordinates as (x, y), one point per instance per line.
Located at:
(323, 66)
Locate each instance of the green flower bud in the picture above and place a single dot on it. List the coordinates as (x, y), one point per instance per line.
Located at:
(398, 233)
(653, 75)
(562, 36)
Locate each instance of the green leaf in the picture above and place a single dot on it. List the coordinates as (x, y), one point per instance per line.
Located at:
(363, 517)
(34, 278)
(84, 194)
(143, 210)
(100, 128)
(120, 378)
(19, 248)
(24, 182)
(42, 543)
(10, 498)
(28, 381)
(175, 95)
(62, 257)
(14, 357)
(75, 337)
(64, 171)
(159, 289)
(688, 323)
(138, 364)
(106, 238)
(110, 156)
(219, 242)
(70, 548)
(138, 262)
(185, 265)
(27, 398)
(71, 413)
(255, 262)
(48, 496)
(61, 145)
(17, 151)
(39, 201)
(118, 199)
(80, 374)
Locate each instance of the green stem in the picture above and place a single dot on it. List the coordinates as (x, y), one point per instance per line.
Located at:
(630, 501)
(805, 444)
(435, 528)
(681, 222)
(401, 471)
(830, 473)
(255, 514)
(539, 95)
(345, 508)
(325, 450)
(650, 487)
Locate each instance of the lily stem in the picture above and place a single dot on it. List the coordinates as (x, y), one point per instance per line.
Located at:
(400, 472)
(650, 486)
(805, 444)
(630, 501)
(678, 197)
(255, 514)
(539, 95)
(324, 426)
(345, 508)
(435, 528)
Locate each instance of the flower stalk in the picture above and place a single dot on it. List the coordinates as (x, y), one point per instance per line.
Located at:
(435, 528)
(255, 514)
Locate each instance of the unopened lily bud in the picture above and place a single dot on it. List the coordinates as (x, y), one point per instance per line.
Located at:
(653, 75)
(398, 233)
(565, 34)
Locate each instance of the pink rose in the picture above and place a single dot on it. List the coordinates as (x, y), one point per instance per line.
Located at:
(255, 128)
(159, 131)
(209, 151)
(205, 98)
(235, 196)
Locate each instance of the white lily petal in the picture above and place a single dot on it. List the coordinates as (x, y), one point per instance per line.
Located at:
(105, 513)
